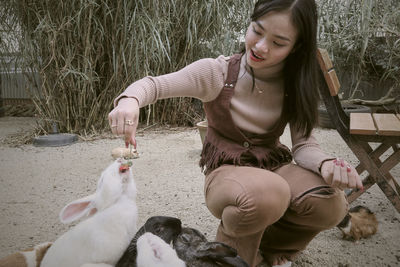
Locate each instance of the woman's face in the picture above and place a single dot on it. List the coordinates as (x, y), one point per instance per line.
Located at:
(269, 40)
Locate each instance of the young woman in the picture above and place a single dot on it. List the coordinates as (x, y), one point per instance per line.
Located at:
(269, 206)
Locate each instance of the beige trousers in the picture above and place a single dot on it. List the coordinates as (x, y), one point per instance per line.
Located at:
(277, 212)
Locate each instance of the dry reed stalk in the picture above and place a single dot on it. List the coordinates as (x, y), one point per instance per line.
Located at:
(363, 36)
(87, 52)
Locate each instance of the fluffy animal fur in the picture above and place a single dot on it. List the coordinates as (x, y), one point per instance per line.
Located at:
(104, 236)
(359, 223)
(97, 265)
(26, 258)
(167, 228)
(154, 252)
(193, 247)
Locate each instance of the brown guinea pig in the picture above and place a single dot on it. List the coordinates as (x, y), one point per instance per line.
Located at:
(360, 222)
(26, 258)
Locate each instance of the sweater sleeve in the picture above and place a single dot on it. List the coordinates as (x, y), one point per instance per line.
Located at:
(202, 79)
(307, 153)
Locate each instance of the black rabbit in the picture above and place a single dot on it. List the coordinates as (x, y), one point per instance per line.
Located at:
(193, 248)
(167, 228)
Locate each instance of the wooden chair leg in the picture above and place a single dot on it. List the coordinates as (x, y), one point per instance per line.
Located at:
(387, 165)
(353, 194)
(377, 152)
(362, 150)
(393, 182)
(384, 167)
(388, 190)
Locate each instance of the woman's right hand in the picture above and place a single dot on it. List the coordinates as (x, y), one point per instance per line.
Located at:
(124, 119)
(339, 173)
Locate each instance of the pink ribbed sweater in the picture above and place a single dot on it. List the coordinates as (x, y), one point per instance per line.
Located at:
(252, 111)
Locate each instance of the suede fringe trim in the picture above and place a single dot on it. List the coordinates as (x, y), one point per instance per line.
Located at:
(266, 158)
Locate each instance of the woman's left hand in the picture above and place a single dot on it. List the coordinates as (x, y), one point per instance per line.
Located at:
(338, 173)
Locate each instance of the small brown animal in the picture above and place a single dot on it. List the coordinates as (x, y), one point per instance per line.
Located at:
(360, 222)
(26, 258)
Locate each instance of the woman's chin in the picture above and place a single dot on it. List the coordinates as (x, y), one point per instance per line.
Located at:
(256, 64)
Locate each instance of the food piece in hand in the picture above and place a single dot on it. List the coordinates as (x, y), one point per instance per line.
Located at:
(122, 152)
(359, 223)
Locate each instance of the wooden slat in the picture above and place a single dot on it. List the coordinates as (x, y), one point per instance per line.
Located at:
(387, 124)
(390, 162)
(362, 123)
(330, 76)
(333, 82)
(324, 61)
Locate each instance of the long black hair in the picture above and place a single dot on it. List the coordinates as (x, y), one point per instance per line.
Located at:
(301, 67)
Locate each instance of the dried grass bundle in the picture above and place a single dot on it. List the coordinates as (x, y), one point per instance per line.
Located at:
(363, 37)
(88, 51)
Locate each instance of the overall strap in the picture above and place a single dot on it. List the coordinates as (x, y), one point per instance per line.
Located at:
(218, 111)
(233, 71)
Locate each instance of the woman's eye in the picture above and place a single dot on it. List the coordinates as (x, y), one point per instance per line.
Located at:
(278, 44)
(256, 32)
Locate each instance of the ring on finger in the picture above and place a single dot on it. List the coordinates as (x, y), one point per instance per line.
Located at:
(129, 122)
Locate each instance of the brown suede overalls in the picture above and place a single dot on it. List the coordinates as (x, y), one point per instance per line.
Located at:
(263, 200)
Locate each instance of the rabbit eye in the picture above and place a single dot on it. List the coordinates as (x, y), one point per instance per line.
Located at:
(185, 239)
(158, 229)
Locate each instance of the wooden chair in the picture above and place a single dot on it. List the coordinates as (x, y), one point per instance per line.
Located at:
(361, 129)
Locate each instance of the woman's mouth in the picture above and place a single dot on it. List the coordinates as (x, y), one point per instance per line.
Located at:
(255, 57)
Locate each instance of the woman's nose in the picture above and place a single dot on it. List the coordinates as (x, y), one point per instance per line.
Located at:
(262, 46)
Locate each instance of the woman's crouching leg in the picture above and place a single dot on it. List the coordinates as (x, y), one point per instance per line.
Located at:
(246, 200)
(315, 209)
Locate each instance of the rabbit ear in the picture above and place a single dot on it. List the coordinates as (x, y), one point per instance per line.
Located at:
(215, 250)
(77, 209)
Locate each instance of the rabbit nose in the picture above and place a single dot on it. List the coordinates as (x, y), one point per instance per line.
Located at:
(123, 168)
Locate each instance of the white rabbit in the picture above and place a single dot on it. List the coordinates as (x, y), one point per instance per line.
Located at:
(104, 236)
(165, 227)
(154, 252)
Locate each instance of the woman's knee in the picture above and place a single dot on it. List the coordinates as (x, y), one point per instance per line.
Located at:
(323, 208)
(247, 199)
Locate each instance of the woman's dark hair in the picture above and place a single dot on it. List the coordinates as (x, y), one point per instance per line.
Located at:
(301, 67)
